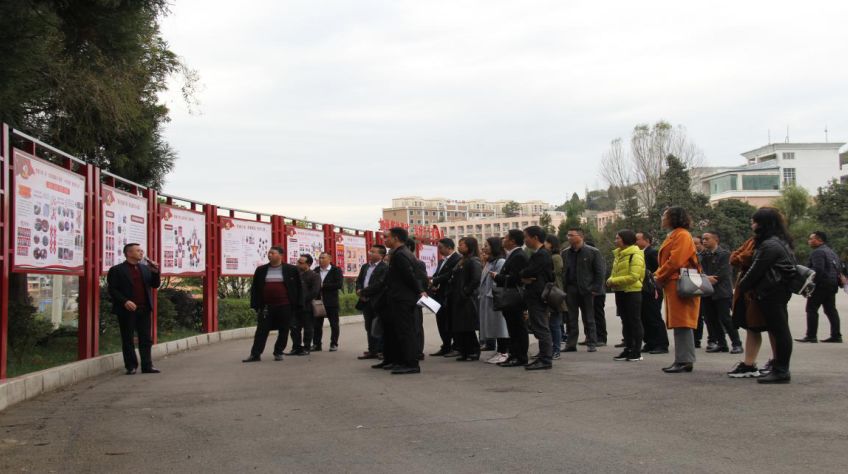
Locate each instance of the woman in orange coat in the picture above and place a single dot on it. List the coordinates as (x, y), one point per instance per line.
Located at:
(678, 251)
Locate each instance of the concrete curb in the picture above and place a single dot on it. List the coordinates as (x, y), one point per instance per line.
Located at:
(29, 386)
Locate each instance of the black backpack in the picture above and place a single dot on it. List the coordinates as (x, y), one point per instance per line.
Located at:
(649, 285)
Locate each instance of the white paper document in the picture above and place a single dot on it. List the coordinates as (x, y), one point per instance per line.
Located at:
(429, 303)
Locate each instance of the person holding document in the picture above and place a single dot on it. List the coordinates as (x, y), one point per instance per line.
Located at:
(465, 285)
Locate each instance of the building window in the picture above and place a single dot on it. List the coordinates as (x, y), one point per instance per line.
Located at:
(760, 183)
(789, 156)
(723, 184)
(788, 176)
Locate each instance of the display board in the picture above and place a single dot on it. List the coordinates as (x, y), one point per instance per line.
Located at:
(124, 222)
(244, 246)
(300, 241)
(49, 206)
(183, 236)
(429, 254)
(351, 254)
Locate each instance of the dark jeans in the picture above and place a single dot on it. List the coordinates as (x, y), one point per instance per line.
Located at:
(318, 333)
(540, 325)
(777, 323)
(580, 305)
(467, 343)
(301, 329)
(629, 306)
(556, 330)
(656, 334)
(375, 344)
(272, 317)
(600, 318)
(400, 344)
(443, 323)
(136, 322)
(518, 339)
(717, 317)
(826, 297)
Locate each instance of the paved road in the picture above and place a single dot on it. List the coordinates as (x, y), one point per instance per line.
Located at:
(331, 413)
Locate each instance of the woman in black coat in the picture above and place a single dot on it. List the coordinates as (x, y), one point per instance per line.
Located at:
(464, 285)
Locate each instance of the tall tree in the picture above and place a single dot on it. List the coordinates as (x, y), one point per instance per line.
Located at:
(546, 222)
(794, 202)
(511, 209)
(675, 190)
(731, 218)
(831, 214)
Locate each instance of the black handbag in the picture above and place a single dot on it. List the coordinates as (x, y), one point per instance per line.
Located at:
(505, 299)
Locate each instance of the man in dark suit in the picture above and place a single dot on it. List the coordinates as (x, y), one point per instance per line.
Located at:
(403, 289)
(304, 320)
(332, 281)
(439, 289)
(276, 295)
(715, 261)
(656, 334)
(370, 289)
(130, 287)
(584, 275)
(421, 275)
(509, 277)
(535, 276)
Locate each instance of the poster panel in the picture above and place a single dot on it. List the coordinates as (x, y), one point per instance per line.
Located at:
(49, 203)
(351, 254)
(429, 254)
(300, 241)
(124, 222)
(183, 235)
(244, 246)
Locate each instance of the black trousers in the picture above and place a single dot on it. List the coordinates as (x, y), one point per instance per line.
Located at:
(579, 305)
(419, 329)
(717, 317)
(318, 331)
(400, 343)
(301, 329)
(519, 341)
(655, 332)
(826, 297)
(272, 317)
(540, 325)
(629, 306)
(443, 323)
(136, 322)
(776, 315)
(467, 343)
(699, 330)
(374, 343)
(599, 305)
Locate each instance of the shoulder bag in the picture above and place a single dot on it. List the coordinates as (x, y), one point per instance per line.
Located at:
(693, 283)
(505, 299)
(318, 309)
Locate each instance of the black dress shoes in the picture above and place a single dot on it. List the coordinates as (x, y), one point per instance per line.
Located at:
(439, 353)
(367, 355)
(130, 371)
(451, 354)
(538, 365)
(381, 365)
(836, 340)
(151, 370)
(775, 377)
(514, 363)
(658, 350)
(807, 339)
(678, 367)
(570, 349)
(406, 370)
(252, 359)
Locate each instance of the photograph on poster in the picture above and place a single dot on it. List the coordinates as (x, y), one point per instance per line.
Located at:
(244, 246)
(124, 222)
(351, 254)
(300, 241)
(429, 254)
(49, 205)
(183, 234)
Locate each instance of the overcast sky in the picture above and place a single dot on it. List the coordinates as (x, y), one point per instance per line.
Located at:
(328, 109)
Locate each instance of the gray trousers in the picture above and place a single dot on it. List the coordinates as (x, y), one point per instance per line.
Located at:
(684, 346)
(539, 322)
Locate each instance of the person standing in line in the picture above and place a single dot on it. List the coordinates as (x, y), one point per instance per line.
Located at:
(332, 281)
(824, 261)
(599, 307)
(715, 261)
(369, 290)
(421, 274)
(440, 288)
(656, 335)
(552, 246)
(301, 330)
(584, 280)
(769, 276)
(465, 283)
(275, 295)
(678, 251)
(628, 271)
(130, 284)
(509, 278)
(699, 331)
(535, 276)
(492, 323)
(403, 290)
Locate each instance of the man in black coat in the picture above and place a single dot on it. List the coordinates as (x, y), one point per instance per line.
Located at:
(130, 286)
(304, 321)
(421, 275)
(332, 281)
(439, 289)
(370, 288)
(715, 262)
(535, 276)
(509, 278)
(275, 295)
(825, 262)
(403, 289)
(656, 334)
(584, 273)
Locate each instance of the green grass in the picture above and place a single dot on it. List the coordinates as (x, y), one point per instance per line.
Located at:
(56, 351)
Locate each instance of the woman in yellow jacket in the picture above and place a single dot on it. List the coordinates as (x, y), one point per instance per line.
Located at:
(628, 271)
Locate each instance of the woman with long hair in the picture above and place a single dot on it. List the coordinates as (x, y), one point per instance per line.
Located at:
(553, 246)
(677, 252)
(464, 286)
(628, 271)
(769, 276)
(492, 323)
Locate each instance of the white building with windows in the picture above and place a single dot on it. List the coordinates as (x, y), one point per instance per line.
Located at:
(772, 167)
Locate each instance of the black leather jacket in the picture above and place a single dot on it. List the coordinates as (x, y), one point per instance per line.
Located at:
(772, 269)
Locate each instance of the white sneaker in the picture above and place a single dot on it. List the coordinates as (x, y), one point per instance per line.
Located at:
(497, 358)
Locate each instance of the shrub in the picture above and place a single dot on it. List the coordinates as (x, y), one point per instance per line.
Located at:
(26, 329)
(347, 304)
(235, 313)
(186, 312)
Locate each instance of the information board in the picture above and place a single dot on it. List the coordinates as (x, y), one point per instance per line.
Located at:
(244, 246)
(49, 206)
(124, 222)
(351, 254)
(429, 254)
(300, 241)
(183, 235)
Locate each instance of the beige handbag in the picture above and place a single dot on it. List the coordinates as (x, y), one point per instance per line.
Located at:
(318, 309)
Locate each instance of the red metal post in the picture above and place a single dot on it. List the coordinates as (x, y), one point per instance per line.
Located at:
(153, 250)
(89, 281)
(210, 279)
(369, 239)
(330, 241)
(4, 246)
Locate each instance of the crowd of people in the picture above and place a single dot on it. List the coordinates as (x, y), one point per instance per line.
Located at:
(492, 298)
